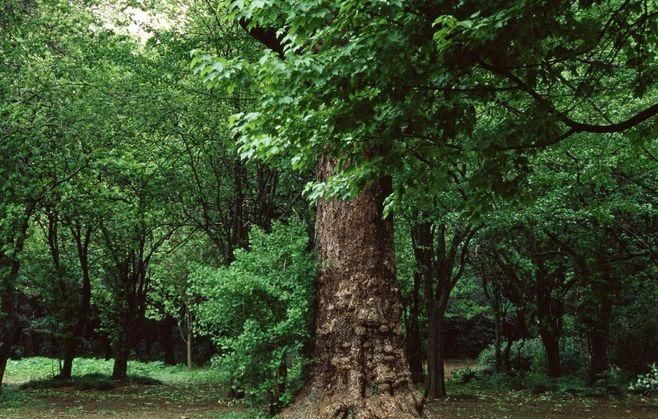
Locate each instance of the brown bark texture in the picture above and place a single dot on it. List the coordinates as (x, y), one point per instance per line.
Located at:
(360, 370)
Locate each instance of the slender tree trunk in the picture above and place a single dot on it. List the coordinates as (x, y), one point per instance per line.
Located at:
(267, 182)
(124, 344)
(604, 293)
(549, 316)
(9, 269)
(69, 354)
(435, 386)
(497, 342)
(598, 345)
(82, 238)
(5, 351)
(440, 373)
(120, 369)
(360, 367)
(551, 343)
(188, 340)
(167, 341)
(8, 325)
(109, 350)
(423, 244)
(507, 355)
(414, 348)
(147, 337)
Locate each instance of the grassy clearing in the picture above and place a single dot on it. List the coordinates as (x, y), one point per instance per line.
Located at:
(153, 390)
(39, 368)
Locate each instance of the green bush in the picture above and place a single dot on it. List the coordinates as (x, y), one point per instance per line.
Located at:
(93, 381)
(646, 383)
(258, 312)
(463, 375)
(538, 383)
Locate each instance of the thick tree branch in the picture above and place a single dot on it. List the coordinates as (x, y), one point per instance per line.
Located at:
(574, 127)
(266, 36)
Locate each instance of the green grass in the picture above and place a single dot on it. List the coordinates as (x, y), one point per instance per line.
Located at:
(174, 391)
(39, 368)
(12, 399)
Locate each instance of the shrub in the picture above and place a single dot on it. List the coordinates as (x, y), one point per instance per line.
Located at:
(538, 383)
(646, 383)
(487, 358)
(85, 382)
(94, 382)
(258, 313)
(463, 375)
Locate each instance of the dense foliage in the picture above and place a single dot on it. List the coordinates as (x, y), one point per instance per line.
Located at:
(258, 310)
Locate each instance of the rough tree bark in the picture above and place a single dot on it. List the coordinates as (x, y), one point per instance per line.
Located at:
(360, 368)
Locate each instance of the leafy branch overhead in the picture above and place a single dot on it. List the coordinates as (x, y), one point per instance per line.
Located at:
(441, 81)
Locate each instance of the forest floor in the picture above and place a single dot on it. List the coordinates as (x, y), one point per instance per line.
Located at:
(198, 393)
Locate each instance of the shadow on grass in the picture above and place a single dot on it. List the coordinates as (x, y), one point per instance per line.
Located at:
(11, 399)
(93, 381)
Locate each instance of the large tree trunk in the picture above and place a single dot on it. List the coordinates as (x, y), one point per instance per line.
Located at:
(360, 368)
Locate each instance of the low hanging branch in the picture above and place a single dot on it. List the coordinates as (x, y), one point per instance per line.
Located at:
(575, 127)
